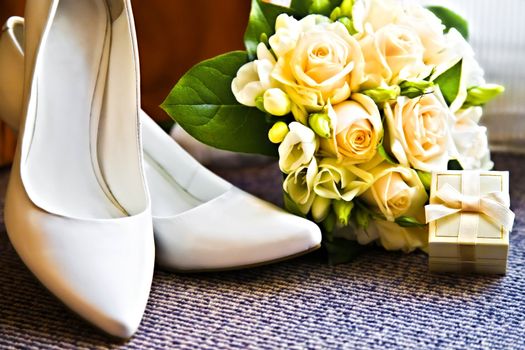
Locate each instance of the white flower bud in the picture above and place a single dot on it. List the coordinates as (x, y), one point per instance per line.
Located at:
(277, 102)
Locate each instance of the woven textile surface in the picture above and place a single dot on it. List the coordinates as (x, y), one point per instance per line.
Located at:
(381, 300)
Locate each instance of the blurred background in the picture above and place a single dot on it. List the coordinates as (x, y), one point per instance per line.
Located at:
(174, 35)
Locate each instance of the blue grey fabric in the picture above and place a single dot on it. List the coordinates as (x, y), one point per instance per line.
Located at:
(381, 300)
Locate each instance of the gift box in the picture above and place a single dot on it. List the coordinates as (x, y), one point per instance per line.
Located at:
(469, 221)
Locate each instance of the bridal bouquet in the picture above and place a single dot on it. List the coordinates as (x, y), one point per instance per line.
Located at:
(360, 99)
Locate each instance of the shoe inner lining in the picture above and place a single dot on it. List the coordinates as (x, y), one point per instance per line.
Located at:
(62, 169)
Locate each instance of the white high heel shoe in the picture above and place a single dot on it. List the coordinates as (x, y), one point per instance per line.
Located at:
(203, 223)
(77, 208)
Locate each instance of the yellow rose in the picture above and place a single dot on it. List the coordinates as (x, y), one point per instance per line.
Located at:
(358, 130)
(337, 181)
(392, 54)
(318, 61)
(419, 132)
(397, 191)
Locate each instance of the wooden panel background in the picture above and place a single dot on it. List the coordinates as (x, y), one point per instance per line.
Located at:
(173, 35)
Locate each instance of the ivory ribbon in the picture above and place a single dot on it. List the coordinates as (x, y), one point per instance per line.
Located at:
(470, 204)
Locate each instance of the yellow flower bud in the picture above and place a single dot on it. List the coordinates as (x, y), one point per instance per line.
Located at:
(278, 132)
(277, 102)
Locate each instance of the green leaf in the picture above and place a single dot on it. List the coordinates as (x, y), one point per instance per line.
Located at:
(385, 155)
(341, 250)
(203, 104)
(408, 221)
(261, 24)
(449, 82)
(426, 178)
(453, 164)
(451, 19)
(302, 7)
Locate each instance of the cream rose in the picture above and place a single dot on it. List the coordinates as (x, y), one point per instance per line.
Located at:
(299, 186)
(357, 130)
(337, 181)
(419, 132)
(431, 32)
(441, 50)
(371, 15)
(388, 234)
(397, 191)
(471, 140)
(297, 148)
(318, 61)
(253, 78)
(392, 54)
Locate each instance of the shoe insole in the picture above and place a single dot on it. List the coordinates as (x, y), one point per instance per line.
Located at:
(61, 164)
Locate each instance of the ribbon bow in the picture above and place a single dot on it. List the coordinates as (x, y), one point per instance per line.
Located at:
(494, 205)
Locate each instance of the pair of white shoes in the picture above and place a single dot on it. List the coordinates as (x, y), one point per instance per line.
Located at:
(94, 176)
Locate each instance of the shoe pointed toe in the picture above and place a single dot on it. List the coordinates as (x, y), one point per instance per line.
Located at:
(305, 232)
(101, 269)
